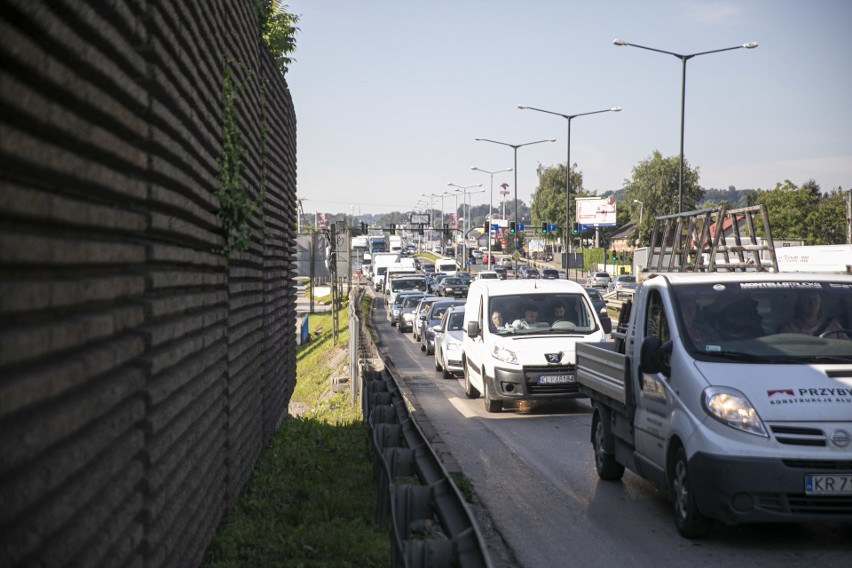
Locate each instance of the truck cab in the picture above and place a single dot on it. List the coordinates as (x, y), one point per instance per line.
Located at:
(731, 390)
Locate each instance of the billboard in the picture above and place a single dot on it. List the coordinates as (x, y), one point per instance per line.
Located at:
(418, 218)
(596, 211)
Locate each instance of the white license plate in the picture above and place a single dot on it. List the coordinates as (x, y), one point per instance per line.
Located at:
(823, 484)
(555, 379)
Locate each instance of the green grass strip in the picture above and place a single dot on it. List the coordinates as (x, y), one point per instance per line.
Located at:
(311, 499)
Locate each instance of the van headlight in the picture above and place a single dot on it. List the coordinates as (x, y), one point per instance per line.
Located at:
(732, 408)
(505, 355)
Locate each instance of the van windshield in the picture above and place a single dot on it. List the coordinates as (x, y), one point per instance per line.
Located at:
(771, 322)
(529, 314)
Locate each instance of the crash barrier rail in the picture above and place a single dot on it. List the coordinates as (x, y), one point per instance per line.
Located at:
(430, 524)
(617, 299)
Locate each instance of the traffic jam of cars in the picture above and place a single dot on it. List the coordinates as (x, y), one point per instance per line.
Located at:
(491, 328)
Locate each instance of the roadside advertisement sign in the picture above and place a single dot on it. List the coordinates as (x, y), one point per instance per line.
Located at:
(596, 211)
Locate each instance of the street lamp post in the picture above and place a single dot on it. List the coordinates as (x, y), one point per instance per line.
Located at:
(683, 58)
(464, 190)
(431, 197)
(515, 148)
(569, 117)
(490, 205)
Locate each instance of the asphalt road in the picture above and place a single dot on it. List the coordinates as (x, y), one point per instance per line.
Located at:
(532, 469)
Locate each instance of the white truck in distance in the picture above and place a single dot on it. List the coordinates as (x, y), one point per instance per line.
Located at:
(732, 390)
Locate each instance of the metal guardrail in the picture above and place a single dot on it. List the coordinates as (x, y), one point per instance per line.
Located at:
(430, 523)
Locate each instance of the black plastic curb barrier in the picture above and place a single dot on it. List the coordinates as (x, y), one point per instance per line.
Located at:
(429, 521)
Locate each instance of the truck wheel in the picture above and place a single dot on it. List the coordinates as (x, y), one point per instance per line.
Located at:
(608, 469)
(491, 405)
(689, 521)
(470, 391)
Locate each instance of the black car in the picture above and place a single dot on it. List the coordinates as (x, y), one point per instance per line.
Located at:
(433, 318)
(599, 305)
(531, 273)
(420, 315)
(549, 274)
(452, 286)
(436, 281)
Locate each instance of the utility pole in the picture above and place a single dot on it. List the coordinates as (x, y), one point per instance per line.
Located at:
(849, 216)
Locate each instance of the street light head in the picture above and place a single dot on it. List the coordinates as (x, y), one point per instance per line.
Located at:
(551, 139)
(478, 139)
(617, 41)
(636, 201)
(523, 106)
(750, 45)
(474, 168)
(615, 109)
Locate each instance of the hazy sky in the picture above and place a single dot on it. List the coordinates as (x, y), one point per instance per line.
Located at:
(390, 94)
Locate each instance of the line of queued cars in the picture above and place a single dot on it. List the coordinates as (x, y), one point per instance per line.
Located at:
(435, 317)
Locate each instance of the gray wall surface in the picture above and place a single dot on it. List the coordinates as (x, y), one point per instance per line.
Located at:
(141, 372)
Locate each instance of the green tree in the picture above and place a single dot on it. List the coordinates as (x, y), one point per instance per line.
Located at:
(655, 185)
(278, 29)
(830, 226)
(805, 213)
(548, 200)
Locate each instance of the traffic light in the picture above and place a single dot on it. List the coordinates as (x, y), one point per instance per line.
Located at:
(393, 228)
(363, 228)
(544, 227)
(614, 255)
(575, 228)
(487, 225)
(512, 227)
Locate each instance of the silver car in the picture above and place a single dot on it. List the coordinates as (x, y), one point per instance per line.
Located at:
(622, 282)
(405, 320)
(448, 343)
(598, 280)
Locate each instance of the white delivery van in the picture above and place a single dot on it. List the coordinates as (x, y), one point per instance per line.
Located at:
(530, 354)
(381, 261)
(447, 265)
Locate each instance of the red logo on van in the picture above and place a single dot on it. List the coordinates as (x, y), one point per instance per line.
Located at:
(780, 391)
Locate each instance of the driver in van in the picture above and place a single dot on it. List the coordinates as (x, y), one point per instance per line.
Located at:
(529, 319)
(809, 319)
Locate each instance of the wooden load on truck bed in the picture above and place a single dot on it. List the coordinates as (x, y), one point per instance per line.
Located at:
(602, 369)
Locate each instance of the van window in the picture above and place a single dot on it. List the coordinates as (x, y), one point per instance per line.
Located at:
(656, 324)
(544, 313)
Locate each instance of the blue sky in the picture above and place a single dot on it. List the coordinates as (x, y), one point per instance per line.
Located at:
(390, 95)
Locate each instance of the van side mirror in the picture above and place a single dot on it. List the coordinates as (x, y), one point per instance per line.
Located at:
(654, 356)
(606, 323)
(473, 328)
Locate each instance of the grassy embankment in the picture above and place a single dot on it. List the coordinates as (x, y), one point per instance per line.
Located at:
(311, 499)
